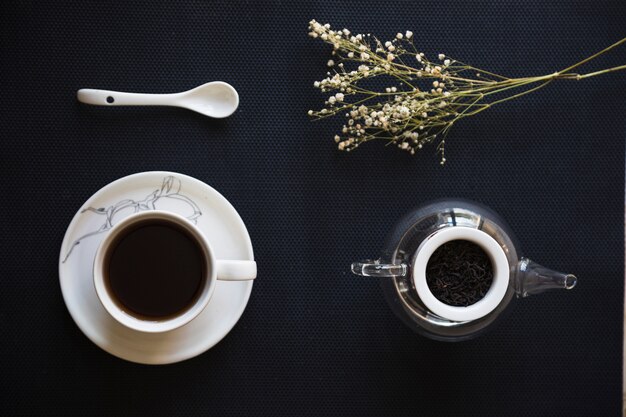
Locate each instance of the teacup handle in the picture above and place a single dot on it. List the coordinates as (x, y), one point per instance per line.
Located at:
(373, 268)
(236, 270)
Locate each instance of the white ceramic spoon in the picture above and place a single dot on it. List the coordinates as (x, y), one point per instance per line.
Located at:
(215, 99)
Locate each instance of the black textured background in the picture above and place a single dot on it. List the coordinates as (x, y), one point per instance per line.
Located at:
(314, 339)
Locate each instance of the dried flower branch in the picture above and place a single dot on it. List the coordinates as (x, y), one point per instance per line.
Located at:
(426, 98)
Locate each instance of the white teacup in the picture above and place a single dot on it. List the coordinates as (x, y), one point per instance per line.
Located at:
(214, 269)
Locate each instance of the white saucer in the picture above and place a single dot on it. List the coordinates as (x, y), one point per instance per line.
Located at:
(148, 191)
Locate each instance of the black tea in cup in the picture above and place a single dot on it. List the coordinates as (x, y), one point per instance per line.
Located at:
(155, 269)
(459, 273)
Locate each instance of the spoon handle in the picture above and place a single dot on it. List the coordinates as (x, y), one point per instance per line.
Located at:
(118, 98)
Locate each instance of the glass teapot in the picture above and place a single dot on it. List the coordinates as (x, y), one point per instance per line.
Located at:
(414, 239)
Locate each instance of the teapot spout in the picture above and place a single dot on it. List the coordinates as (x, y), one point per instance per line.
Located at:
(532, 278)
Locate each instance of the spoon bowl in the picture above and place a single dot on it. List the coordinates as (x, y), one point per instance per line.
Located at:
(216, 99)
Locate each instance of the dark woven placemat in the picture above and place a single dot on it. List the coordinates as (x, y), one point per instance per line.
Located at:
(314, 340)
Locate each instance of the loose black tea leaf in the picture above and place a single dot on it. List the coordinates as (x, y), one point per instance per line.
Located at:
(459, 273)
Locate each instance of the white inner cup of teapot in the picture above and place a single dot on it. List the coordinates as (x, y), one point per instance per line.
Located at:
(499, 263)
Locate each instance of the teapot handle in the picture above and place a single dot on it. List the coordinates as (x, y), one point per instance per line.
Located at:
(373, 268)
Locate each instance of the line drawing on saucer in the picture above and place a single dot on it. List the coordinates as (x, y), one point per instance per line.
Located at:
(170, 189)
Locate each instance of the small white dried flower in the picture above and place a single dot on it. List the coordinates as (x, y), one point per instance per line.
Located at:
(339, 96)
(442, 57)
(365, 56)
(399, 35)
(408, 34)
(337, 138)
(446, 62)
(330, 63)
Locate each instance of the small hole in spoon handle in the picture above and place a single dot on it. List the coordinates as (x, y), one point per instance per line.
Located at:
(110, 99)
